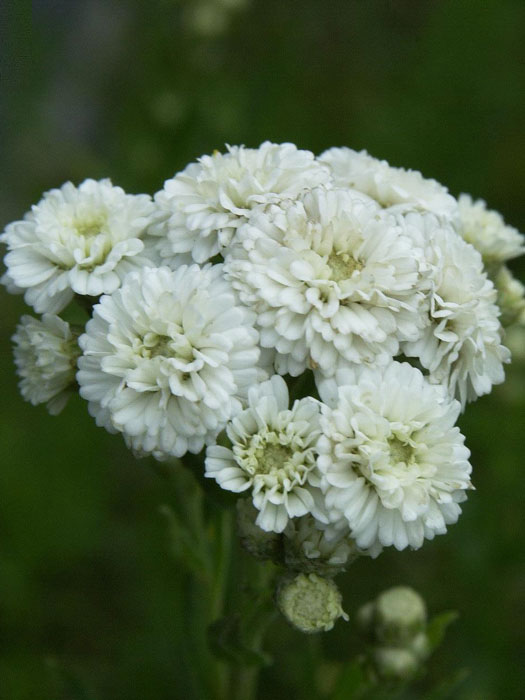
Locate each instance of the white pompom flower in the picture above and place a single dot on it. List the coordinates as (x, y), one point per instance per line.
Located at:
(461, 347)
(486, 230)
(393, 465)
(46, 353)
(168, 359)
(333, 278)
(272, 453)
(386, 184)
(77, 240)
(201, 207)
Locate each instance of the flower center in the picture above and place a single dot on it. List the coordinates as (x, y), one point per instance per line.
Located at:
(272, 458)
(343, 265)
(90, 227)
(400, 451)
(153, 345)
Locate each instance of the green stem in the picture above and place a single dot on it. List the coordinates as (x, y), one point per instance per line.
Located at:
(222, 563)
(219, 588)
(244, 686)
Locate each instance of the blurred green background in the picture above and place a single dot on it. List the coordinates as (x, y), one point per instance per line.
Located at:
(90, 600)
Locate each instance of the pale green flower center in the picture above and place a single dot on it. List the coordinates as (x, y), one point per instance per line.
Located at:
(153, 345)
(343, 265)
(90, 227)
(400, 451)
(271, 458)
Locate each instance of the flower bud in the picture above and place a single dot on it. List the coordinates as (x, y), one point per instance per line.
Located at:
(260, 544)
(310, 603)
(400, 613)
(394, 664)
(310, 549)
(511, 297)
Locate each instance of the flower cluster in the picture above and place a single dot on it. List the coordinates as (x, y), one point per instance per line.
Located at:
(316, 323)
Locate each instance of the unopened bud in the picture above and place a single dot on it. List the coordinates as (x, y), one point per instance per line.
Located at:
(259, 543)
(309, 549)
(394, 664)
(400, 614)
(511, 297)
(310, 603)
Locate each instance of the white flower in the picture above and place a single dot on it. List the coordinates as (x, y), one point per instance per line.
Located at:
(273, 453)
(46, 352)
(202, 206)
(461, 347)
(393, 466)
(486, 230)
(387, 185)
(10, 286)
(168, 358)
(79, 240)
(333, 279)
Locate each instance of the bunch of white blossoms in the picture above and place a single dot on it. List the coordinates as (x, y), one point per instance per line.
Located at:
(316, 324)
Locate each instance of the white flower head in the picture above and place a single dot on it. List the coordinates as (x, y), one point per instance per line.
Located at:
(393, 465)
(273, 454)
(45, 353)
(486, 230)
(201, 207)
(333, 279)
(387, 185)
(168, 359)
(77, 240)
(461, 347)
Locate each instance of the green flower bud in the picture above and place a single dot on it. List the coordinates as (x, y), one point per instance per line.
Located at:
(400, 613)
(310, 603)
(393, 664)
(511, 297)
(260, 544)
(308, 550)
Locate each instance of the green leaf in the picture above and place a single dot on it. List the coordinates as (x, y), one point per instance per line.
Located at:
(225, 637)
(448, 688)
(437, 627)
(187, 549)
